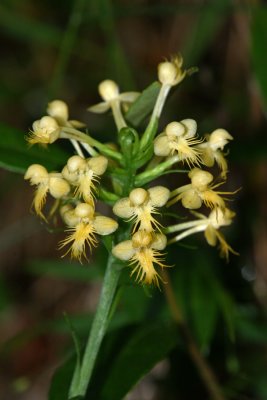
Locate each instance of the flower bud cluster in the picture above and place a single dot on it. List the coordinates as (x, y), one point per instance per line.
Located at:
(75, 184)
(82, 173)
(143, 250)
(129, 165)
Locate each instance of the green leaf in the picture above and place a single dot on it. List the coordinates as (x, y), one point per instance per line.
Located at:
(258, 48)
(60, 382)
(227, 308)
(65, 269)
(143, 105)
(147, 346)
(251, 326)
(207, 22)
(205, 310)
(16, 155)
(23, 28)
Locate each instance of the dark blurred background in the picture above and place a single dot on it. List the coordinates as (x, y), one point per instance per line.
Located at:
(62, 50)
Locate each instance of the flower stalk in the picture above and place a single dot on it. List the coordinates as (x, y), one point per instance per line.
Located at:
(83, 372)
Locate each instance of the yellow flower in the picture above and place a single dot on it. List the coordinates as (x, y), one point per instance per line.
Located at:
(210, 226)
(199, 191)
(179, 137)
(141, 205)
(83, 173)
(46, 182)
(83, 227)
(45, 131)
(109, 91)
(211, 150)
(143, 252)
(171, 72)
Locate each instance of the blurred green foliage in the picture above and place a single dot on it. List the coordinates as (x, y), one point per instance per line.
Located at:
(63, 54)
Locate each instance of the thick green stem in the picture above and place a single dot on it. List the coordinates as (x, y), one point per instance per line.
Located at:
(149, 175)
(83, 372)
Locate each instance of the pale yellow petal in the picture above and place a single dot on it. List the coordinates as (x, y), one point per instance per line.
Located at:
(99, 108)
(207, 156)
(159, 242)
(210, 235)
(191, 199)
(124, 250)
(123, 209)
(58, 187)
(105, 225)
(98, 164)
(161, 146)
(159, 195)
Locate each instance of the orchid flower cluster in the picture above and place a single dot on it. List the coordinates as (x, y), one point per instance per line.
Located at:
(121, 175)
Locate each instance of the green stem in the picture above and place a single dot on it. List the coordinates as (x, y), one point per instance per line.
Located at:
(72, 133)
(149, 175)
(83, 373)
(152, 127)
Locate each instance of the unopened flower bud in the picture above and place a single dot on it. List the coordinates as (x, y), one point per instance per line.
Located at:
(138, 196)
(170, 73)
(58, 187)
(175, 129)
(191, 126)
(58, 109)
(159, 195)
(159, 242)
(76, 163)
(108, 90)
(98, 164)
(200, 178)
(167, 73)
(84, 210)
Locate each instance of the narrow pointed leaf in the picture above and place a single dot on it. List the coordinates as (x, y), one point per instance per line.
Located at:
(144, 104)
